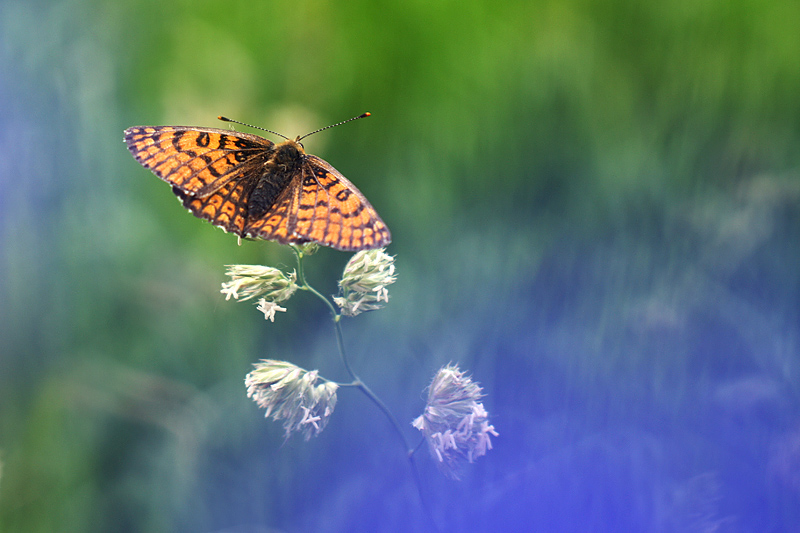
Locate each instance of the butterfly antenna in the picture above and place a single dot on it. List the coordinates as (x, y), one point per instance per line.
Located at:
(334, 125)
(226, 119)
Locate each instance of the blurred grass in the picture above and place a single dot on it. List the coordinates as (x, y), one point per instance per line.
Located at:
(594, 209)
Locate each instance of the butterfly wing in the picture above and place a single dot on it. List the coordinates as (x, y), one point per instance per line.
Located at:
(226, 207)
(197, 161)
(331, 211)
(212, 171)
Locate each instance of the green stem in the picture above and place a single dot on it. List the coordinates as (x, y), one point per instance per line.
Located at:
(303, 284)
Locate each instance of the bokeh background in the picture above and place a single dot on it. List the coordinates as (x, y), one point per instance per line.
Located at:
(595, 213)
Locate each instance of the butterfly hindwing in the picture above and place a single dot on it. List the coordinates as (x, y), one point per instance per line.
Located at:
(226, 207)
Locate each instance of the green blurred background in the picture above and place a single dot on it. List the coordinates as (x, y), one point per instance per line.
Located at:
(595, 212)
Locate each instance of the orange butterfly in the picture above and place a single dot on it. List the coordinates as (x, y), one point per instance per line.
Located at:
(255, 188)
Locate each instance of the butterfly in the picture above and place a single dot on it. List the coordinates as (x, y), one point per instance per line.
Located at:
(254, 188)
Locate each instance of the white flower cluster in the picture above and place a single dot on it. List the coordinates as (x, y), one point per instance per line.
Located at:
(291, 394)
(455, 424)
(251, 281)
(364, 284)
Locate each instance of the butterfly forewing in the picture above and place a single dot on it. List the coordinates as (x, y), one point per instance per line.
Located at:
(334, 213)
(214, 173)
(196, 160)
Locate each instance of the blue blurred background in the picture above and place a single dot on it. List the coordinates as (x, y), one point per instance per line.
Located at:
(595, 212)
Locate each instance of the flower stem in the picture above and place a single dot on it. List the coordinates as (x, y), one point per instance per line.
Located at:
(303, 284)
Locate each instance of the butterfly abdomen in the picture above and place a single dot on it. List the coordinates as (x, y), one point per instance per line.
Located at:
(266, 192)
(279, 169)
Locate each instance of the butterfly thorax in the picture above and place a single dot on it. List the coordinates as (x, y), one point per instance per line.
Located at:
(288, 154)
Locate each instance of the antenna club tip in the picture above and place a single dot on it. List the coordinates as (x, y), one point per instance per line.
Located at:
(367, 114)
(224, 119)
